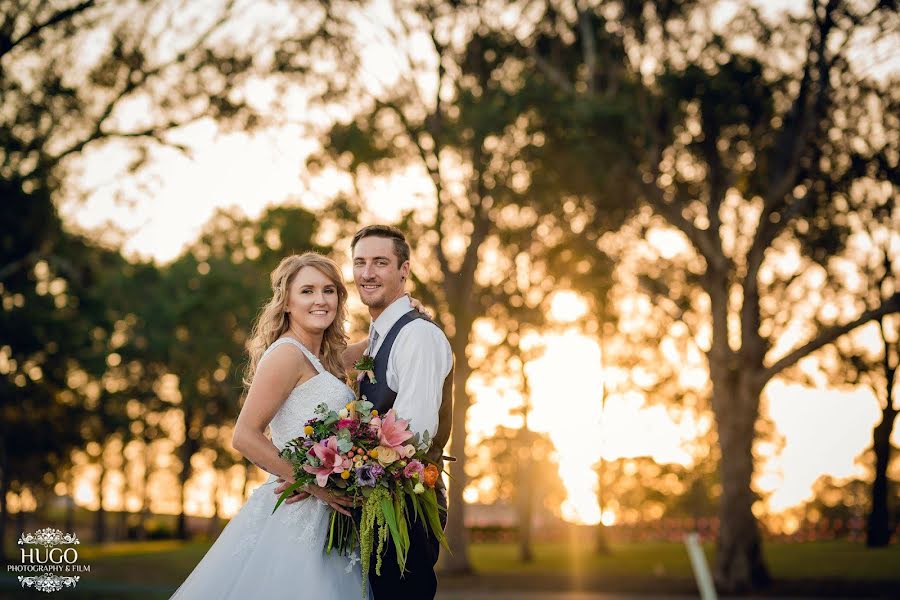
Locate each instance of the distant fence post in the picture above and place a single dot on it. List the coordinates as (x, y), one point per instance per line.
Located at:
(700, 566)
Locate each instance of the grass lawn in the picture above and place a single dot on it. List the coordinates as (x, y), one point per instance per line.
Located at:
(154, 569)
(819, 560)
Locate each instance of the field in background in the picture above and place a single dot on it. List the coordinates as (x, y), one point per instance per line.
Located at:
(154, 569)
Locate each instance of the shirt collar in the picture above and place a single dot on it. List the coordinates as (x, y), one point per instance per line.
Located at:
(391, 315)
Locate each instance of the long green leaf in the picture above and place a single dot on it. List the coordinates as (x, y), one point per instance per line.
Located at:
(429, 499)
(287, 493)
(331, 533)
(400, 510)
(416, 506)
(387, 508)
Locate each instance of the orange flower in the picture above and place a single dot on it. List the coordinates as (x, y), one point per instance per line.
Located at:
(431, 475)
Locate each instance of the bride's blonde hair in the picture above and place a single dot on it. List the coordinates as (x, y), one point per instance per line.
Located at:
(273, 321)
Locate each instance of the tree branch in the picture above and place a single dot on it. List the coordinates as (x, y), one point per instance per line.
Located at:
(800, 122)
(552, 73)
(435, 126)
(829, 335)
(132, 83)
(699, 238)
(588, 49)
(434, 171)
(766, 232)
(7, 44)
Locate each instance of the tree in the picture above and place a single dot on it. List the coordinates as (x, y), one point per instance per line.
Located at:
(877, 265)
(750, 156)
(198, 318)
(61, 102)
(451, 119)
(153, 67)
(53, 357)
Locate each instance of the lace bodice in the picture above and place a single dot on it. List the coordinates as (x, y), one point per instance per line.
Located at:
(300, 405)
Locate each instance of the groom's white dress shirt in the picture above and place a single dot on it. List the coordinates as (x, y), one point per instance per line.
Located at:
(420, 360)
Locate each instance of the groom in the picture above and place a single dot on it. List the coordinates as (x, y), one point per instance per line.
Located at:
(414, 376)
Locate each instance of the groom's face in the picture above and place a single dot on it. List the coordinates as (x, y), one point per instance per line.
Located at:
(376, 270)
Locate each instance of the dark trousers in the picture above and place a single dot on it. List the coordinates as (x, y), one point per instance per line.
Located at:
(418, 581)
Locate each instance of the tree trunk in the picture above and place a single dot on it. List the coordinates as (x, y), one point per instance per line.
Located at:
(21, 524)
(69, 519)
(878, 530)
(524, 495)
(246, 489)
(144, 513)
(739, 561)
(878, 527)
(4, 513)
(212, 527)
(601, 539)
(187, 450)
(100, 515)
(457, 536)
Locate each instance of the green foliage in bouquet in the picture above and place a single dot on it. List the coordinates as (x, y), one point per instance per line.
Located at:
(379, 463)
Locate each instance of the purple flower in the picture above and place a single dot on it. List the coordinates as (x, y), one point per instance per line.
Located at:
(365, 475)
(377, 470)
(414, 466)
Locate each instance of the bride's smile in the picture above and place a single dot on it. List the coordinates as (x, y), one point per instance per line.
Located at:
(313, 300)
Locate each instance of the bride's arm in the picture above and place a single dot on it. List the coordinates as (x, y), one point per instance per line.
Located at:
(273, 381)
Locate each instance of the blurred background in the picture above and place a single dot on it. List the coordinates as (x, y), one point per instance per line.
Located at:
(662, 236)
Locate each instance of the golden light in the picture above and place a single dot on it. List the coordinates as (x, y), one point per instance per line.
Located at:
(566, 405)
(824, 431)
(567, 307)
(85, 492)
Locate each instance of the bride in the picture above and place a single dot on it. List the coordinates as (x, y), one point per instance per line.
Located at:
(296, 362)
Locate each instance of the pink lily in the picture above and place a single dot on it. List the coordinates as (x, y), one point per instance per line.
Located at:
(393, 431)
(332, 461)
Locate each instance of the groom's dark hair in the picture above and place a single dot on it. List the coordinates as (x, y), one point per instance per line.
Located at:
(401, 248)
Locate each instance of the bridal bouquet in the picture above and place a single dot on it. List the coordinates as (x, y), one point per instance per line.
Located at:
(379, 462)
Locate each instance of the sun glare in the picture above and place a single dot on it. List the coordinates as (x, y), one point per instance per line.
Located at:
(566, 395)
(567, 307)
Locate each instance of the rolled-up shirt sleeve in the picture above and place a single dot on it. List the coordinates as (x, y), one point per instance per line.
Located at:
(420, 360)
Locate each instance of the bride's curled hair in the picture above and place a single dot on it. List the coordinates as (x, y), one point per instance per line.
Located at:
(273, 321)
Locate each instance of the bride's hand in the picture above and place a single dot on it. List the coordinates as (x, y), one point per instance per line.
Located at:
(295, 497)
(417, 304)
(337, 503)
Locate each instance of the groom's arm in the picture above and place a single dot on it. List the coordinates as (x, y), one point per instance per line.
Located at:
(420, 361)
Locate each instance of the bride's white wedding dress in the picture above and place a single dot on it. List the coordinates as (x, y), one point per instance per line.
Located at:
(281, 555)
